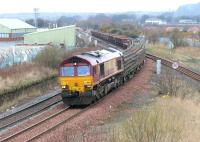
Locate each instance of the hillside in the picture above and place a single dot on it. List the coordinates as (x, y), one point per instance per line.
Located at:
(188, 10)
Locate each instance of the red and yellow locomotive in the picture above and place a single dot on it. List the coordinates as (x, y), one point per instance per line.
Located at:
(89, 76)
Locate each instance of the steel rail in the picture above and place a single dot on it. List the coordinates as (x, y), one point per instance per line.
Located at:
(180, 68)
(14, 115)
(66, 120)
(34, 125)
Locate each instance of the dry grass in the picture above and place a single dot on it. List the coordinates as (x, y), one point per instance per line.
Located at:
(188, 56)
(169, 120)
(28, 94)
(20, 75)
(190, 115)
(168, 83)
(174, 117)
(157, 123)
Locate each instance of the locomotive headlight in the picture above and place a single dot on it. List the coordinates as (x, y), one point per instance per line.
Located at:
(63, 87)
(88, 86)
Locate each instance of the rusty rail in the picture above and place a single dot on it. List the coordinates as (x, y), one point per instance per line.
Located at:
(180, 68)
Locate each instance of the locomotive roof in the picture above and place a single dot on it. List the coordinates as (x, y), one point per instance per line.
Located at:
(100, 56)
(121, 37)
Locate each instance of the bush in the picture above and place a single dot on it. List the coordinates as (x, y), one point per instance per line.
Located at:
(49, 57)
(168, 83)
(132, 35)
(159, 123)
(114, 31)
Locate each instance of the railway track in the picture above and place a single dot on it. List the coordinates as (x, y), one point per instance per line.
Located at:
(29, 128)
(29, 111)
(57, 125)
(51, 127)
(65, 120)
(181, 69)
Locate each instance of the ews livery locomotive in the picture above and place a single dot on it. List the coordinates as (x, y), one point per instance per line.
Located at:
(89, 76)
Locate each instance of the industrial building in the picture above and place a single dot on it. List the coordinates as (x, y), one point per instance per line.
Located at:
(58, 36)
(155, 21)
(14, 29)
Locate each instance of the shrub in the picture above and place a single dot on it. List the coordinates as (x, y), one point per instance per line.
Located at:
(159, 123)
(132, 35)
(49, 57)
(168, 83)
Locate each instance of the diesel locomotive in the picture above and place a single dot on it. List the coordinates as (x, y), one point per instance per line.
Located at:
(89, 76)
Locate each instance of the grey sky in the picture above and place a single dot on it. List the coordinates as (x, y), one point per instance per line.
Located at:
(14, 6)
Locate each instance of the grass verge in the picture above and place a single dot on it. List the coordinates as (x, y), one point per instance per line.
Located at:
(24, 95)
(156, 123)
(187, 56)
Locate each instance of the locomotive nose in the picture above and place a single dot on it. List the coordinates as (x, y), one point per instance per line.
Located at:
(76, 84)
(76, 87)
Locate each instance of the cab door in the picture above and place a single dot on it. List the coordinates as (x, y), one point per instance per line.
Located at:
(96, 73)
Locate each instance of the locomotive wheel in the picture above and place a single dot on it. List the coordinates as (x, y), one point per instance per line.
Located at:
(105, 90)
(116, 84)
(98, 96)
(100, 91)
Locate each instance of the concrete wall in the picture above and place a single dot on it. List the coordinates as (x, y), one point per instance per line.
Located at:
(62, 35)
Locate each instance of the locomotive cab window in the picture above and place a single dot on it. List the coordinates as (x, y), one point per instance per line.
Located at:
(102, 70)
(83, 70)
(67, 71)
(119, 64)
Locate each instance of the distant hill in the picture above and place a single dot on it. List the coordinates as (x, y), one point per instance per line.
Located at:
(47, 15)
(56, 15)
(188, 10)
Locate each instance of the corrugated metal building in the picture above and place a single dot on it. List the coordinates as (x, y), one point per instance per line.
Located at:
(58, 36)
(14, 29)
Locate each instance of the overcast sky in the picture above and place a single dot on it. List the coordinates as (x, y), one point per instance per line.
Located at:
(15, 6)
